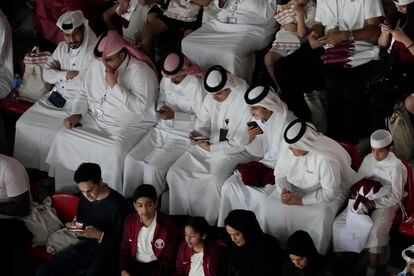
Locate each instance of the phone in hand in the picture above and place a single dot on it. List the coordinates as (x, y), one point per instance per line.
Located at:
(197, 138)
(253, 124)
(382, 25)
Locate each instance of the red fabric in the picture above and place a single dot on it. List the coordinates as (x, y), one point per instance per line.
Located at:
(366, 185)
(403, 54)
(211, 258)
(165, 230)
(172, 61)
(114, 42)
(256, 174)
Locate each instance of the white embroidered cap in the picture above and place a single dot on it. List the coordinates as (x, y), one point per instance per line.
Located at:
(380, 138)
(408, 254)
(403, 2)
(70, 20)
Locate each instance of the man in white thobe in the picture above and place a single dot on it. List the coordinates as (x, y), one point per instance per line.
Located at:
(119, 93)
(230, 40)
(181, 97)
(6, 56)
(66, 68)
(249, 184)
(312, 180)
(383, 166)
(196, 178)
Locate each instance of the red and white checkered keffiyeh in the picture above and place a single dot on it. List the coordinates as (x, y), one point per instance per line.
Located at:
(114, 42)
(172, 62)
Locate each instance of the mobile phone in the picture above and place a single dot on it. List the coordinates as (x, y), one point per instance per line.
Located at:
(197, 138)
(253, 124)
(75, 229)
(382, 25)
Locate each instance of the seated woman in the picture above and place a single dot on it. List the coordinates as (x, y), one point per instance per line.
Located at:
(171, 15)
(197, 254)
(149, 243)
(251, 251)
(311, 184)
(397, 41)
(383, 166)
(304, 259)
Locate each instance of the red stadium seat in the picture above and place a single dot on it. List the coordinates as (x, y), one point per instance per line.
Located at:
(354, 153)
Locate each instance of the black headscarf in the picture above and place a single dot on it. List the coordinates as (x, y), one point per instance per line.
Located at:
(301, 244)
(260, 255)
(244, 221)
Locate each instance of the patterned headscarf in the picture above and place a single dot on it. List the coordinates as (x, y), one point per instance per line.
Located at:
(113, 42)
(176, 64)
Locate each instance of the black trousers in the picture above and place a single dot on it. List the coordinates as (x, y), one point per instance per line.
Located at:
(348, 101)
(299, 73)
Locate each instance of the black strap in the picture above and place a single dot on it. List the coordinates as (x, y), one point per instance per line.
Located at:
(223, 82)
(179, 66)
(266, 89)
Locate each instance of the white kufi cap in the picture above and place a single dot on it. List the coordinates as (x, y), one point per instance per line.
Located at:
(380, 138)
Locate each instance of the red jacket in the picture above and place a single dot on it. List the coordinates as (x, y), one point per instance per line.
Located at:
(164, 243)
(211, 258)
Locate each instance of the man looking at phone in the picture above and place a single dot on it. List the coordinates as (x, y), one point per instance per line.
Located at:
(181, 97)
(65, 69)
(195, 179)
(116, 108)
(98, 224)
(248, 185)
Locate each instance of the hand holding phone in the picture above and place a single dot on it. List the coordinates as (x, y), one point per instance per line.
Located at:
(384, 27)
(253, 124)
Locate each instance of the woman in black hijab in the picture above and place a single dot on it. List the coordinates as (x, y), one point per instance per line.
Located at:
(250, 251)
(303, 259)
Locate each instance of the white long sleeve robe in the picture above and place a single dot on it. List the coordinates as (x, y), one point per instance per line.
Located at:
(196, 178)
(392, 174)
(235, 194)
(318, 181)
(232, 45)
(150, 159)
(128, 112)
(37, 127)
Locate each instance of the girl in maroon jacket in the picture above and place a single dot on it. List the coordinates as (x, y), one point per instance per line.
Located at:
(197, 256)
(149, 243)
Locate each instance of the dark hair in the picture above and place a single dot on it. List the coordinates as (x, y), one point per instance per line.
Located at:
(145, 190)
(199, 225)
(88, 172)
(407, 20)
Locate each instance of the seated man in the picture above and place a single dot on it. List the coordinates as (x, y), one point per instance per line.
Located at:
(311, 184)
(196, 178)
(98, 224)
(383, 166)
(119, 92)
(336, 22)
(230, 40)
(181, 96)
(149, 243)
(6, 56)
(66, 68)
(250, 252)
(14, 204)
(247, 187)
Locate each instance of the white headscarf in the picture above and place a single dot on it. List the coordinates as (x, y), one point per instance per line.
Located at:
(280, 118)
(76, 18)
(313, 141)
